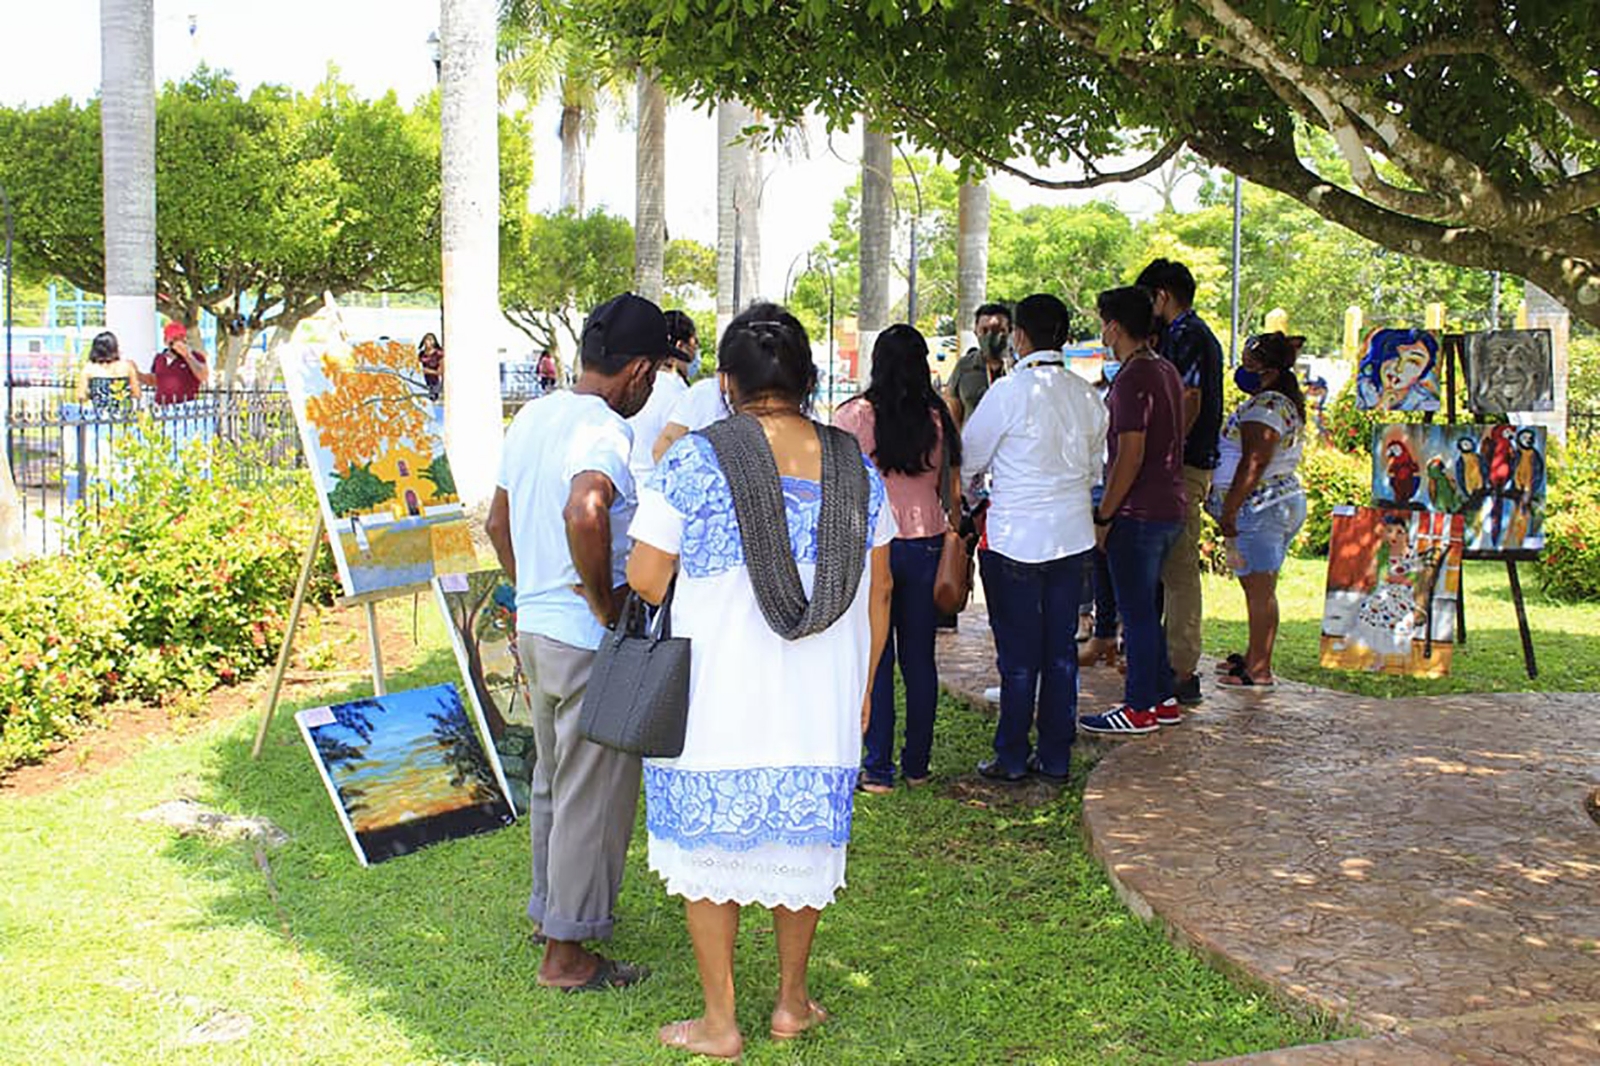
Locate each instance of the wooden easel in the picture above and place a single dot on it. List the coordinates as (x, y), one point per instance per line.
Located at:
(368, 601)
(1452, 347)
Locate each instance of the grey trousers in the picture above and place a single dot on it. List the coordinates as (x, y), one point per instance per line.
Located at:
(583, 800)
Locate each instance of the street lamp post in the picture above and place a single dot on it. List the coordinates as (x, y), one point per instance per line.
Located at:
(5, 202)
(436, 54)
(911, 273)
(1238, 218)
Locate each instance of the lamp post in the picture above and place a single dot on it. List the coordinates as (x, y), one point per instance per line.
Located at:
(911, 273)
(5, 202)
(1238, 217)
(436, 54)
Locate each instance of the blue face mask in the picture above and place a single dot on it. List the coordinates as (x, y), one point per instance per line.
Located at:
(1109, 368)
(1249, 381)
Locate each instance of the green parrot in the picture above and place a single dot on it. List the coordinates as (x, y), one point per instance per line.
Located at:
(1441, 490)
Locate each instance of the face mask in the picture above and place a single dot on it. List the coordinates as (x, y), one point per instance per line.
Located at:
(1109, 368)
(1249, 381)
(992, 345)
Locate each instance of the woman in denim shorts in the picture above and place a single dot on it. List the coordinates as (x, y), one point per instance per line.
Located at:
(1256, 496)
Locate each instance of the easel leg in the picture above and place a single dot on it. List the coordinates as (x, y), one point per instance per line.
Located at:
(1522, 619)
(307, 562)
(378, 687)
(1461, 605)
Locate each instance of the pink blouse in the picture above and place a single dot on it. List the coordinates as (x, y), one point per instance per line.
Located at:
(914, 499)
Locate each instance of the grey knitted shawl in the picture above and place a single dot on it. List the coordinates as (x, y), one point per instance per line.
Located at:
(752, 473)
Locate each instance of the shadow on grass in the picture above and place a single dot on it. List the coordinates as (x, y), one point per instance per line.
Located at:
(970, 932)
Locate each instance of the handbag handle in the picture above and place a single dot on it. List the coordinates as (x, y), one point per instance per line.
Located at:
(637, 619)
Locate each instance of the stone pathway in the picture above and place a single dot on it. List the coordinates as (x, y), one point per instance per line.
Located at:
(1422, 867)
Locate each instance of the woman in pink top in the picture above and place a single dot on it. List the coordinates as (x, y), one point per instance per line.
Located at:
(903, 425)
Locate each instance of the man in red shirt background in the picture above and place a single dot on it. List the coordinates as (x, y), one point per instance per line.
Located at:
(177, 372)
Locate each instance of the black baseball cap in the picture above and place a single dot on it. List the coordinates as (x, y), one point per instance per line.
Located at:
(624, 327)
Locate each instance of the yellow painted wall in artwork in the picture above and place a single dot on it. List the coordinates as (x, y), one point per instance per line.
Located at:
(403, 468)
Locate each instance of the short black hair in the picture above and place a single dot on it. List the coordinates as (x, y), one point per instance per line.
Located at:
(680, 327)
(1171, 276)
(103, 349)
(766, 352)
(1045, 319)
(992, 309)
(1130, 307)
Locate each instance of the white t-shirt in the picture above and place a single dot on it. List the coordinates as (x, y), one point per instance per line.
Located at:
(1041, 433)
(551, 441)
(1275, 411)
(700, 406)
(652, 419)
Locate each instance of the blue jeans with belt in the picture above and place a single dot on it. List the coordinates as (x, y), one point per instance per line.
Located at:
(1135, 552)
(1033, 611)
(914, 565)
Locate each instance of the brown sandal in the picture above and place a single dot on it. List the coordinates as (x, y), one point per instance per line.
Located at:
(676, 1035)
(815, 1016)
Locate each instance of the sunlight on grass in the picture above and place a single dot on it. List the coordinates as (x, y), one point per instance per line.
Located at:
(965, 935)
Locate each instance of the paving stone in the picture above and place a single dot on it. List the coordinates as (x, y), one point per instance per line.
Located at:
(1423, 867)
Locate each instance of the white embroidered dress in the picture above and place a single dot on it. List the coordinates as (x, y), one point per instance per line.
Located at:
(757, 808)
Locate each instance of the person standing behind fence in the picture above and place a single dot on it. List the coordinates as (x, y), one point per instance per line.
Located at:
(548, 370)
(431, 356)
(905, 427)
(177, 372)
(108, 381)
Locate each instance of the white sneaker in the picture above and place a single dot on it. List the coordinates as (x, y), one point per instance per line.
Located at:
(992, 694)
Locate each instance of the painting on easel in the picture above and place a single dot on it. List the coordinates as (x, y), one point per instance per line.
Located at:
(1509, 370)
(1493, 476)
(375, 444)
(1399, 371)
(481, 609)
(1393, 580)
(406, 770)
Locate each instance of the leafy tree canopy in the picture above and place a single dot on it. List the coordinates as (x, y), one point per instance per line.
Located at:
(1466, 131)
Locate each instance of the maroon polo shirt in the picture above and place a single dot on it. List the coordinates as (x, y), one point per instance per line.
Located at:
(175, 382)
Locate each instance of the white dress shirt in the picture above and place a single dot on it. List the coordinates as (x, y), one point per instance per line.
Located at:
(1040, 433)
(652, 419)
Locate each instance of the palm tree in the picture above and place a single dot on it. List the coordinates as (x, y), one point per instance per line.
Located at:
(128, 160)
(877, 231)
(650, 190)
(470, 195)
(738, 210)
(972, 254)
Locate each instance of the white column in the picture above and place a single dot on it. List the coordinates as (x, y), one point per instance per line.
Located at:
(128, 161)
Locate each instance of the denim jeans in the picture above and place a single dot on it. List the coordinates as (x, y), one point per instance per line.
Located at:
(1135, 552)
(1033, 611)
(914, 564)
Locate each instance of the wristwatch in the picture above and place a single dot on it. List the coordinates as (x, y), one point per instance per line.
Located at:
(1099, 521)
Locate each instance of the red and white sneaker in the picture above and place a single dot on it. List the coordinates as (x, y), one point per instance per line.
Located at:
(1168, 712)
(1121, 721)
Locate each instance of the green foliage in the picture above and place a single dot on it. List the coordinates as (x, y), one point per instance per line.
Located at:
(565, 264)
(1332, 478)
(1583, 371)
(690, 274)
(207, 567)
(61, 643)
(438, 471)
(358, 489)
(1570, 568)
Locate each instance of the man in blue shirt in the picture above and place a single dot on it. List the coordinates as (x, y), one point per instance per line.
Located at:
(1190, 345)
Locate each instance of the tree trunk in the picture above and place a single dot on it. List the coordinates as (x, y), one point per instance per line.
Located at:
(738, 212)
(572, 158)
(650, 191)
(470, 203)
(877, 229)
(128, 159)
(972, 258)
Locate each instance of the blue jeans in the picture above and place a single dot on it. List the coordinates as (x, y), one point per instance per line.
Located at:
(914, 564)
(1033, 611)
(1135, 552)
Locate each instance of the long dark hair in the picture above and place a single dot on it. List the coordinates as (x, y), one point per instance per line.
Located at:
(902, 396)
(1275, 351)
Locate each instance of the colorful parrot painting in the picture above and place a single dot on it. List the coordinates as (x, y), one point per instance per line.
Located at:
(1498, 458)
(1402, 470)
(1469, 468)
(1441, 490)
(1529, 475)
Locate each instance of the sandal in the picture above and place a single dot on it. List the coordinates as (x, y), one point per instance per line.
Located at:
(1230, 664)
(609, 976)
(1240, 679)
(874, 788)
(677, 1035)
(815, 1016)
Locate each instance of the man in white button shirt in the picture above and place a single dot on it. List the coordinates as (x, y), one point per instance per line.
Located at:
(1040, 434)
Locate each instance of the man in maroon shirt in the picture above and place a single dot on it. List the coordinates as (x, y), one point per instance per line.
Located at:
(177, 372)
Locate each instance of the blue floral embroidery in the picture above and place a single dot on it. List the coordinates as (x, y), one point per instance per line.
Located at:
(737, 810)
(689, 477)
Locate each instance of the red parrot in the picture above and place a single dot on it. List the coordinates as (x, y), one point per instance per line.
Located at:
(1402, 469)
(1499, 468)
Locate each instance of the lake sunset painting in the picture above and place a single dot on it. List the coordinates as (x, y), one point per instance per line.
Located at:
(406, 770)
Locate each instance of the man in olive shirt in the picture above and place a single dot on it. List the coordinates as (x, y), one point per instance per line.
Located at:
(978, 369)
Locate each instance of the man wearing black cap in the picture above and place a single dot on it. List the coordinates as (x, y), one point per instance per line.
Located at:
(559, 523)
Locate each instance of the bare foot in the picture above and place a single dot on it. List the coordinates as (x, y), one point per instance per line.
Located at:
(691, 1036)
(786, 1024)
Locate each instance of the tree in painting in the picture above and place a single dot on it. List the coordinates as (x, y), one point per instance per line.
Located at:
(378, 398)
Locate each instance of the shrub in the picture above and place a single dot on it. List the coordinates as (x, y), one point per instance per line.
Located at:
(1570, 568)
(61, 644)
(1331, 479)
(206, 561)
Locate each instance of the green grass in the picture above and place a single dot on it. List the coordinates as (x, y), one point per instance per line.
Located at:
(1564, 635)
(967, 934)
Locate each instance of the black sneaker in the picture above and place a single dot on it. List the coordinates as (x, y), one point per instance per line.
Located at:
(1036, 768)
(993, 771)
(1188, 692)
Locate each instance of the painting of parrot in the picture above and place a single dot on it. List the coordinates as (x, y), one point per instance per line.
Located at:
(1528, 477)
(1496, 454)
(1441, 490)
(1402, 470)
(1469, 468)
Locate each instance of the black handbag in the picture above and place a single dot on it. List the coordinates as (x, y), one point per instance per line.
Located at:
(637, 700)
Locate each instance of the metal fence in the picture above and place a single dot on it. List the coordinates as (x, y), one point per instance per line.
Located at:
(68, 458)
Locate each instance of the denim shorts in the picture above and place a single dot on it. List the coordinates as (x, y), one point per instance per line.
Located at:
(1264, 535)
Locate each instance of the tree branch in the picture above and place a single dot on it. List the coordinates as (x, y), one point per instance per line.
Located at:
(1439, 46)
